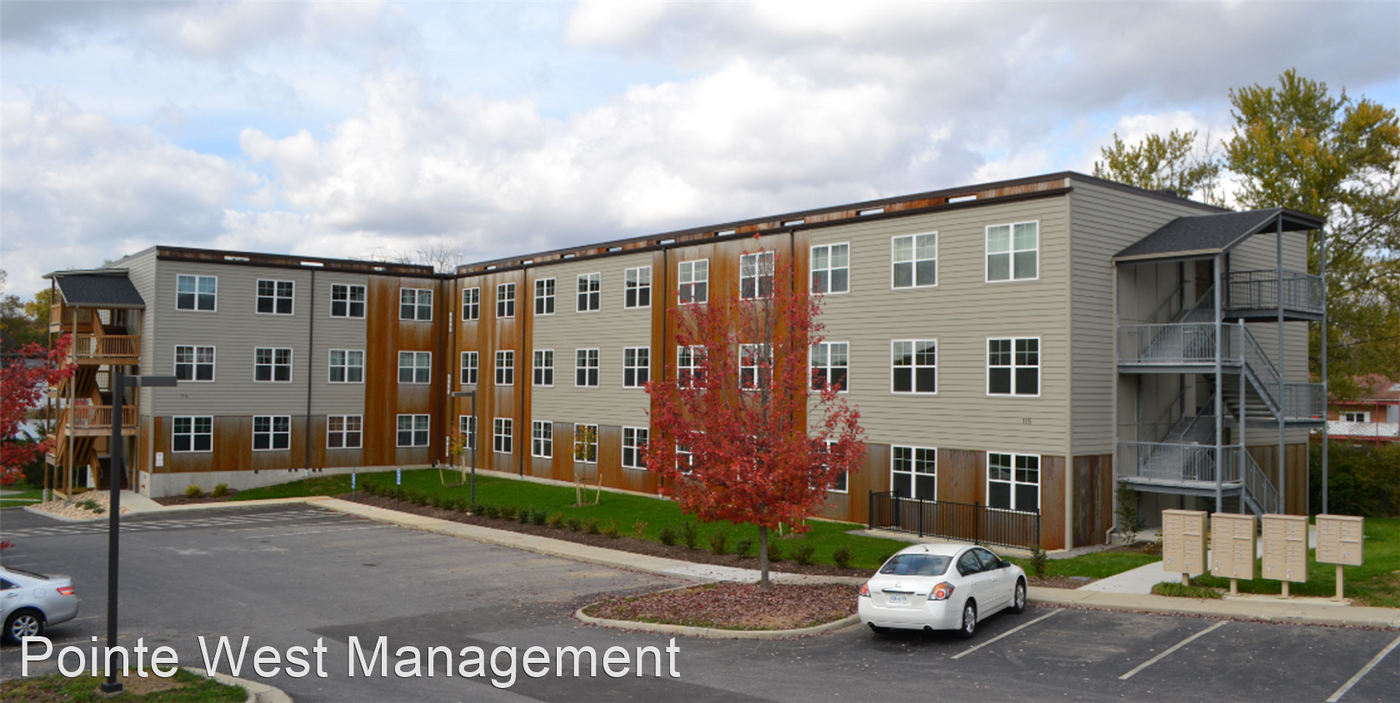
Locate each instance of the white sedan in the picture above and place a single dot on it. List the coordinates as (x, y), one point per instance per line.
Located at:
(941, 587)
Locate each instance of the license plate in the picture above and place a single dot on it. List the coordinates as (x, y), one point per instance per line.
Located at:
(898, 600)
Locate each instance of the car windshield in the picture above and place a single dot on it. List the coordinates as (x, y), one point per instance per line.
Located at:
(916, 565)
(30, 574)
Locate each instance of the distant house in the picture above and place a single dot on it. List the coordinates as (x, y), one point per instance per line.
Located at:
(1374, 415)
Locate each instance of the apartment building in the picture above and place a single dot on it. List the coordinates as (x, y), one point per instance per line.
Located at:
(1014, 346)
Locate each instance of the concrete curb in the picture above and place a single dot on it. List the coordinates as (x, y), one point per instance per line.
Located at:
(60, 518)
(1297, 612)
(713, 632)
(257, 692)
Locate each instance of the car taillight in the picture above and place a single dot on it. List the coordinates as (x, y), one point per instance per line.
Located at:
(65, 591)
(865, 590)
(942, 591)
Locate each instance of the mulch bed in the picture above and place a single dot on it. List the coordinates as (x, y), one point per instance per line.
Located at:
(735, 606)
(1058, 582)
(206, 498)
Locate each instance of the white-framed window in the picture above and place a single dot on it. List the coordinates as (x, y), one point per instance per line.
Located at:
(198, 293)
(276, 297)
(755, 371)
(503, 435)
(636, 291)
(636, 367)
(344, 431)
(756, 275)
(830, 362)
(544, 367)
(415, 367)
(586, 443)
(347, 300)
(634, 443)
(471, 304)
(693, 280)
(466, 427)
(685, 459)
(469, 368)
(590, 292)
(416, 304)
(505, 367)
(542, 439)
(914, 472)
(505, 300)
(347, 366)
(841, 484)
(586, 368)
(914, 366)
(272, 433)
(914, 261)
(544, 296)
(272, 365)
(1013, 481)
(831, 269)
(192, 434)
(690, 371)
(1013, 252)
(1013, 366)
(1360, 416)
(194, 363)
(413, 430)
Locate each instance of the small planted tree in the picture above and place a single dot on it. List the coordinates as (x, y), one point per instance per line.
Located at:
(23, 380)
(747, 433)
(586, 452)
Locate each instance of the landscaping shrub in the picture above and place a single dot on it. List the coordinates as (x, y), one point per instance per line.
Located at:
(575, 524)
(219, 491)
(436, 501)
(719, 542)
(556, 521)
(639, 529)
(593, 527)
(1171, 588)
(538, 517)
(668, 536)
(775, 550)
(418, 498)
(804, 554)
(508, 512)
(744, 546)
(193, 491)
(92, 505)
(610, 529)
(842, 557)
(524, 515)
(492, 512)
(1362, 480)
(1130, 521)
(690, 534)
(461, 505)
(1152, 548)
(1040, 561)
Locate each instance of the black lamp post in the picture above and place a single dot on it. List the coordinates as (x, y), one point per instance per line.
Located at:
(115, 472)
(474, 436)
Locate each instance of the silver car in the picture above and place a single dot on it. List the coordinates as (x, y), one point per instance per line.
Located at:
(30, 602)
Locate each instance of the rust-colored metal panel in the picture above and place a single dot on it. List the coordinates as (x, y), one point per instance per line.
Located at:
(1052, 502)
(1093, 498)
(381, 371)
(962, 476)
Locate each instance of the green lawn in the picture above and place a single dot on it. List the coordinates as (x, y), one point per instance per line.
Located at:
(83, 689)
(1094, 565)
(26, 496)
(318, 486)
(1375, 583)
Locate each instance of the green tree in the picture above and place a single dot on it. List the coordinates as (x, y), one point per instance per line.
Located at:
(19, 325)
(1180, 162)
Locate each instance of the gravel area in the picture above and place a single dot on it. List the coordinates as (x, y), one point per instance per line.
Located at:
(735, 606)
(77, 508)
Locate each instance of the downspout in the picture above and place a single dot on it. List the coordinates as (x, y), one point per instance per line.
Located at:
(310, 359)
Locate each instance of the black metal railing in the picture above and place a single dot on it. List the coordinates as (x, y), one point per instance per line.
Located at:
(975, 523)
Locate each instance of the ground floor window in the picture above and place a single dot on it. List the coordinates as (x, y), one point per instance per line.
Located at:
(192, 434)
(586, 443)
(504, 435)
(344, 431)
(634, 442)
(466, 427)
(1013, 481)
(272, 432)
(413, 431)
(542, 439)
(914, 472)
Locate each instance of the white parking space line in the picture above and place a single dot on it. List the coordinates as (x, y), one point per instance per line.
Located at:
(1364, 670)
(1006, 634)
(1174, 647)
(318, 532)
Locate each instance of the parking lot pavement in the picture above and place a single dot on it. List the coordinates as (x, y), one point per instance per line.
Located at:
(289, 575)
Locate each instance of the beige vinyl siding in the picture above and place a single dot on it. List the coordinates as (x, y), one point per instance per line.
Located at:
(141, 271)
(961, 312)
(336, 333)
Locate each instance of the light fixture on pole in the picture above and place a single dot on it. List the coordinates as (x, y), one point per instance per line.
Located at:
(475, 432)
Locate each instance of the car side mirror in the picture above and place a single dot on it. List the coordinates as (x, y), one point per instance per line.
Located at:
(1005, 564)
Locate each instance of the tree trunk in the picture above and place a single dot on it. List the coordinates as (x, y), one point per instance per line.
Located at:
(763, 558)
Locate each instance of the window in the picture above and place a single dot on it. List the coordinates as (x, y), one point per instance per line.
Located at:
(914, 260)
(505, 433)
(471, 304)
(1356, 417)
(275, 297)
(192, 434)
(413, 430)
(505, 300)
(586, 367)
(544, 296)
(194, 363)
(347, 300)
(544, 367)
(272, 432)
(914, 472)
(690, 366)
(756, 275)
(1013, 482)
(505, 368)
(634, 443)
(196, 293)
(755, 371)
(694, 280)
(590, 292)
(347, 366)
(636, 366)
(416, 304)
(831, 268)
(586, 443)
(415, 367)
(344, 431)
(469, 368)
(685, 459)
(272, 365)
(842, 482)
(542, 439)
(914, 366)
(1013, 366)
(637, 288)
(1013, 251)
(466, 427)
(830, 362)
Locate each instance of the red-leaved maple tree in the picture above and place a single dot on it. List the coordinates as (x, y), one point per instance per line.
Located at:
(23, 379)
(746, 433)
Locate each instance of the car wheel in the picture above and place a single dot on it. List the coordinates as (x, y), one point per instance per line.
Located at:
(879, 630)
(969, 621)
(1018, 597)
(23, 623)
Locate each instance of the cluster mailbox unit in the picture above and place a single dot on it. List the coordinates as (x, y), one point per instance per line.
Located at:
(1232, 547)
(1286, 549)
(1184, 542)
(1339, 542)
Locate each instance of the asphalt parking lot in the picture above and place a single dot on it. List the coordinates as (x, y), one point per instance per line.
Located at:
(288, 575)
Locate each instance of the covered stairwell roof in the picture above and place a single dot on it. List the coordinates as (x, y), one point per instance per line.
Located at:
(102, 288)
(1208, 235)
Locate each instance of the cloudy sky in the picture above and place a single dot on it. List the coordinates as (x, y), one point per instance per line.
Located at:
(359, 129)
